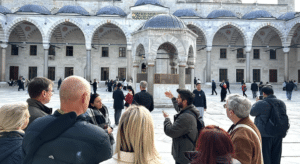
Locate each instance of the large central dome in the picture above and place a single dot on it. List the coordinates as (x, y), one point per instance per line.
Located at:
(164, 21)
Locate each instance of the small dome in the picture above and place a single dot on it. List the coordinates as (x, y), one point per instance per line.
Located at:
(287, 16)
(4, 10)
(73, 9)
(111, 10)
(145, 2)
(257, 14)
(186, 13)
(35, 9)
(220, 13)
(164, 21)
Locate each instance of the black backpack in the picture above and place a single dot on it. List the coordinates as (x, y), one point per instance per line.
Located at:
(278, 122)
(200, 125)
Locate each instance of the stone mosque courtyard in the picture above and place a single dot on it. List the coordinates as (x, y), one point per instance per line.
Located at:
(215, 115)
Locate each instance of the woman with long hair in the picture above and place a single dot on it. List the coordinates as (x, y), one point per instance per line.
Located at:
(135, 138)
(214, 146)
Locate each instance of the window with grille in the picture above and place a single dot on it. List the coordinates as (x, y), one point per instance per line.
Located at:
(223, 75)
(240, 53)
(14, 50)
(14, 72)
(256, 75)
(273, 75)
(256, 54)
(69, 51)
(51, 73)
(32, 72)
(69, 71)
(223, 53)
(122, 73)
(122, 52)
(272, 54)
(33, 50)
(105, 52)
(239, 75)
(104, 73)
(51, 50)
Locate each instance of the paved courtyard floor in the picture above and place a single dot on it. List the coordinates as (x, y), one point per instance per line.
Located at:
(215, 115)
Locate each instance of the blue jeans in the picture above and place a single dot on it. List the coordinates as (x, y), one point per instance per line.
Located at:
(289, 95)
(201, 110)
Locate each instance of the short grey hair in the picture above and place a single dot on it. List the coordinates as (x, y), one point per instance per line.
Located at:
(143, 84)
(240, 105)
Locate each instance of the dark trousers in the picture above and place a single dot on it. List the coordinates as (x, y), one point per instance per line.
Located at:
(21, 87)
(228, 90)
(95, 90)
(272, 148)
(118, 113)
(223, 96)
(214, 91)
(244, 94)
(254, 93)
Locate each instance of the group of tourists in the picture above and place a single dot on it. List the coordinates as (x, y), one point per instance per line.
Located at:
(81, 131)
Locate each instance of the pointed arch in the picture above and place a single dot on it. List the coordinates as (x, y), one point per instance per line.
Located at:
(291, 33)
(274, 27)
(202, 31)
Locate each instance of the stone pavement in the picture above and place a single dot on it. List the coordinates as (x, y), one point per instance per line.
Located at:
(215, 114)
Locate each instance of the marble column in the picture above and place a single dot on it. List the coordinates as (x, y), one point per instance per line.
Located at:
(248, 50)
(286, 63)
(150, 76)
(3, 61)
(88, 65)
(208, 64)
(46, 52)
(129, 65)
(182, 76)
(134, 74)
(192, 69)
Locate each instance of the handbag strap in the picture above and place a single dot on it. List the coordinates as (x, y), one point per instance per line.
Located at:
(248, 127)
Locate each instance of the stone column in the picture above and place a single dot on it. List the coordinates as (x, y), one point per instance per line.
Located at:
(248, 50)
(46, 50)
(88, 65)
(286, 63)
(182, 63)
(3, 46)
(129, 64)
(208, 64)
(150, 75)
(134, 74)
(191, 64)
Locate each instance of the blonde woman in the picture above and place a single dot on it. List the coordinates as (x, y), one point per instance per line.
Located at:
(13, 119)
(135, 138)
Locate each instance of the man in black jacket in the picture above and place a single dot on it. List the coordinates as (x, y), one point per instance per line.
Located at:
(40, 92)
(79, 142)
(119, 98)
(144, 98)
(213, 87)
(20, 83)
(289, 89)
(254, 89)
(200, 100)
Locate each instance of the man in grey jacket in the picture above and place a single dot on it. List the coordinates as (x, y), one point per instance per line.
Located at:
(184, 130)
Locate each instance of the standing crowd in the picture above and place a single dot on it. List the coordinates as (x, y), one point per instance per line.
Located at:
(80, 131)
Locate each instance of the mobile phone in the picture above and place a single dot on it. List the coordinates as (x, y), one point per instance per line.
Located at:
(261, 97)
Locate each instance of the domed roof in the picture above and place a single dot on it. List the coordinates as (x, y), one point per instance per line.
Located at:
(257, 14)
(287, 16)
(4, 10)
(34, 9)
(164, 21)
(111, 10)
(145, 2)
(73, 9)
(186, 13)
(220, 13)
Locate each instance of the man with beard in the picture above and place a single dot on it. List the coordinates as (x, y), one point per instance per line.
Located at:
(184, 130)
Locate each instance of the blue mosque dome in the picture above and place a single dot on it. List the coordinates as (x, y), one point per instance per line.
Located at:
(287, 16)
(186, 13)
(73, 9)
(257, 14)
(111, 10)
(4, 10)
(164, 21)
(220, 13)
(145, 2)
(34, 9)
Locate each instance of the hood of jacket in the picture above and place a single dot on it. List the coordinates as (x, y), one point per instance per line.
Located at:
(191, 108)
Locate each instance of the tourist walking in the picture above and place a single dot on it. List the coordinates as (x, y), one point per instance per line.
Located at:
(14, 117)
(289, 90)
(195, 82)
(261, 85)
(244, 134)
(144, 98)
(228, 85)
(95, 85)
(223, 91)
(254, 89)
(284, 86)
(296, 87)
(119, 98)
(262, 111)
(66, 136)
(20, 84)
(129, 97)
(184, 130)
(244, 89)
(213, 87)
(135, 145)
(59, 83)
(40, 93)
(200, 100)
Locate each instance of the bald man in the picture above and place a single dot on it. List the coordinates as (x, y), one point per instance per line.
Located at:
(65, 136)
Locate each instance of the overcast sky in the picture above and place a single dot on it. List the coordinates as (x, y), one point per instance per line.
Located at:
(297, 3)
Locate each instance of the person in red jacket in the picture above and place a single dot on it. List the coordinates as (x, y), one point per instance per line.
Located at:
(129, 96)
(244, 89)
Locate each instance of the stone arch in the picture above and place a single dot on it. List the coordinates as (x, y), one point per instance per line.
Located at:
(32, 33)
(103, 22)
(70, 32)
(61, 21)
(259, 38)
(139, 49)
(237, 27)
(222, 34)
(274, 27)
(141, 41)
(2, 33)
(191, 52)
(18, 21)
(269, 37)
(171, 39)
(292, 30)
(200, 28)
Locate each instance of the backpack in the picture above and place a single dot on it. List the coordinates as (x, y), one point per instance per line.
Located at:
(278, 122)
(200, 125)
